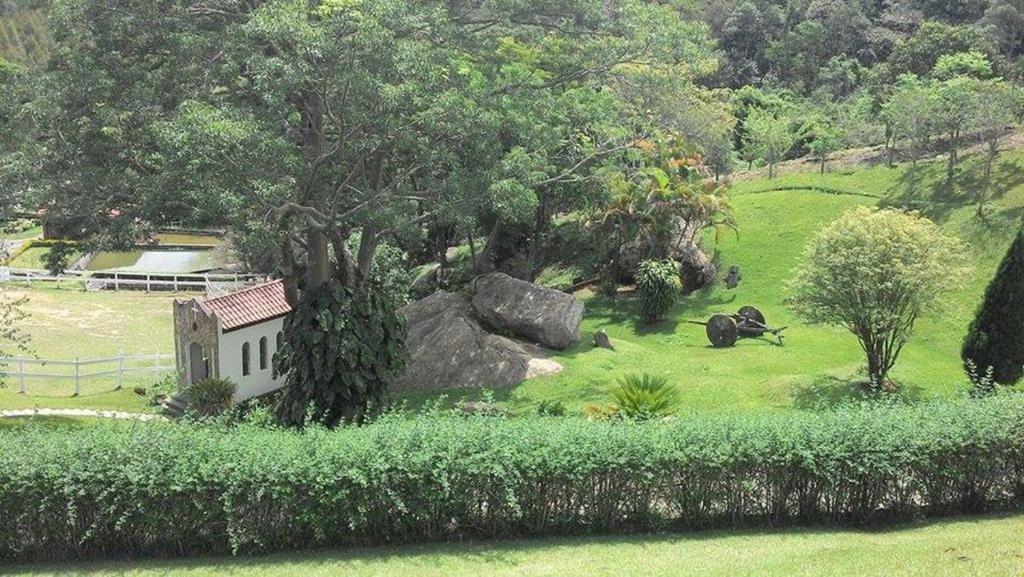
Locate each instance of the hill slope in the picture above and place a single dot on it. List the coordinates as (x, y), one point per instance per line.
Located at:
(817, 364)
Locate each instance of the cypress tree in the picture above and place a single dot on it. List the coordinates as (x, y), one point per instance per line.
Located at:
(996, 337)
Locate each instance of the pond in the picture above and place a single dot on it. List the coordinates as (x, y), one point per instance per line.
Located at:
(179, 261)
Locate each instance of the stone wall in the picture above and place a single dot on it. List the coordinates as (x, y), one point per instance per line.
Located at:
(192, 325)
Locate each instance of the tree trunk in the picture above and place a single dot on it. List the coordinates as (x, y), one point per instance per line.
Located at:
(913, 182)
(318, 269)
(953, 156)
(986, 179)
(483, 264)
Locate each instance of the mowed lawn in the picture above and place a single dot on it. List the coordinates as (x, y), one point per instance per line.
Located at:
(983, 546)
(817, 365)
(68, 323)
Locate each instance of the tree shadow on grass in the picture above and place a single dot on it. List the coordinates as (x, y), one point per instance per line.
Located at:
(624, 310)
(831, 392)
(937, 198)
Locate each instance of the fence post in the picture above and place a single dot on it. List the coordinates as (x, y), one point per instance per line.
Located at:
(147, 282)
(78, 386)
(21, 372)
(120, 370)
(117, 285)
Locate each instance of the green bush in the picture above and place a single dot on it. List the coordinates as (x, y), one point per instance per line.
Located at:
(210, 397)
(551, 409)
(642, 397)
(172, 489)
(658, 287)
(993, 342)
(342, 347)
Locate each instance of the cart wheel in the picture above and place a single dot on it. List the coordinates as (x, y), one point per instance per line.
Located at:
(749, 312)
(722, 331)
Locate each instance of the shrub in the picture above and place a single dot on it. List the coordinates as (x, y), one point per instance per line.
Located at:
(642, 397)
(658, 287)
(157, 488)
(874, 272)
(994, 338)
(210, 397)
(551, 409)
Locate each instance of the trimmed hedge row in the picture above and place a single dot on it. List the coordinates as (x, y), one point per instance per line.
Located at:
(158, 489)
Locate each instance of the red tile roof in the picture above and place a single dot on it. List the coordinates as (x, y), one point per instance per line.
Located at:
(249, 306)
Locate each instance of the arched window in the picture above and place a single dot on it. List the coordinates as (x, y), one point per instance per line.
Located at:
(245, 359)
(263, 353)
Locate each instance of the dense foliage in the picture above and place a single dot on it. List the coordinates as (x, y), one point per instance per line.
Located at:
(342, 347)
(657, 287)
(209, 397)
(994, 338)
(874, 272)
(169, 489)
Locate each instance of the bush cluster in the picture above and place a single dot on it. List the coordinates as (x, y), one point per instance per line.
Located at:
(658, 286)
(166, 489)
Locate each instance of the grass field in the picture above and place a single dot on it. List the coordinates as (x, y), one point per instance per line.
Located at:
(985, 546)
(33, 258)
(65, 323)
(776, 219)
(27, 234)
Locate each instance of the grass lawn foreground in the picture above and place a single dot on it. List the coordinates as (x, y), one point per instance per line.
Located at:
(980, 546)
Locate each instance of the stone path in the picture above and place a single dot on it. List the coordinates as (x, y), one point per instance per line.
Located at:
(81, 413)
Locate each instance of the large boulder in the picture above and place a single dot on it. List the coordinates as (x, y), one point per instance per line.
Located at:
(449, 348)
(696, 269)
(537, 314)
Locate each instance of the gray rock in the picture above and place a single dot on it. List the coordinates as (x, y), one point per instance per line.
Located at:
(449, 348)
(540, 315)
(732, 280)
(601, 340)
(696, 269)
(426, 282)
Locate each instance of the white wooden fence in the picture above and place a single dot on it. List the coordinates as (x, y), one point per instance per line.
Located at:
(31, 376)
(210, 283)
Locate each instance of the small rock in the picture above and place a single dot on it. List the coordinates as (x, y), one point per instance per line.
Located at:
(482, 408)
(140, 391)
(601, 340)
(733, 278)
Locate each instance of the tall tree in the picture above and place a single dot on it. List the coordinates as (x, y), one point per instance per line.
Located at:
(911, 113)
(769, 136)
(994, 113)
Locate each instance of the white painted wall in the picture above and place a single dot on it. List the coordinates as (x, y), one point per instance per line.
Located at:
(259, 381)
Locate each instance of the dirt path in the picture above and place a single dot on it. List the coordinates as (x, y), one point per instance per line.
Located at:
(82, 413)
(855, 158)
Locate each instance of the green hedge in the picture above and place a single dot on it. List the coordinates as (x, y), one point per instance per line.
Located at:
(158, 489)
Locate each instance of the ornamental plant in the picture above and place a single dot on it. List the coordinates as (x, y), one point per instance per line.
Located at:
(874, 272)
(994, 342)
(644, 397)
(210, 397)
(658, 287)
